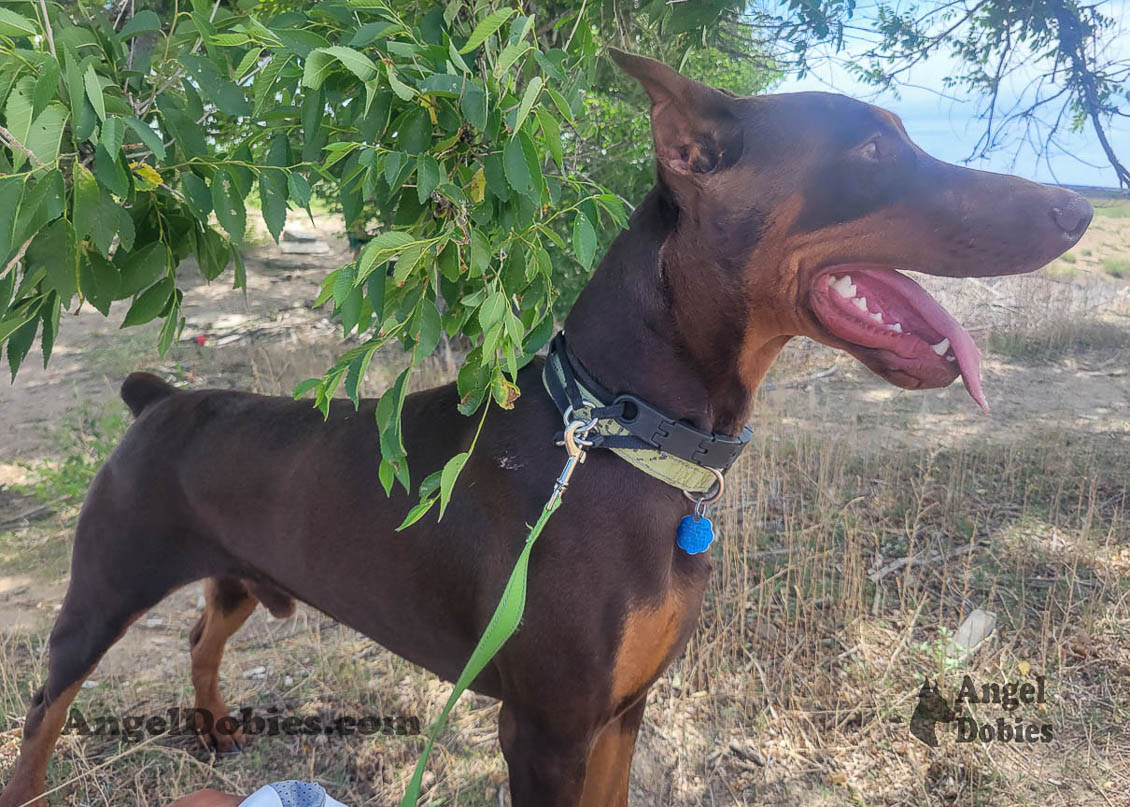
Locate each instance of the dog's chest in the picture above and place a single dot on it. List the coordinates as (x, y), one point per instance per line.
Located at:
(653, 636)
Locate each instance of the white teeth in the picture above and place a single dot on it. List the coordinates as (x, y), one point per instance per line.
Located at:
(831, 280)
(860, 303)
(942, 346)
(844, 287)
(877, 317)
(897, 327)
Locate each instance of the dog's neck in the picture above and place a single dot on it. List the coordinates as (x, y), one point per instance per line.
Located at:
(664, 319)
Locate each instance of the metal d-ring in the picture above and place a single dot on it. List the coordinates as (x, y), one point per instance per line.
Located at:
(703, 501)
(579, 427)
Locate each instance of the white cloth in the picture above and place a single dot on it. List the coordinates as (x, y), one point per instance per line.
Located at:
(290, 794)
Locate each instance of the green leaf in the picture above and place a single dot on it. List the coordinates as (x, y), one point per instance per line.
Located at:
(480, 253)
(416, 513)
(551, 135)
(214, 86)
(47, 85)
(150, 304)
(249, 60)
(487, 26)
(402, 90)
(228, 204)
(109, 171)
(94, 92)
(562, 105)
(213, 253)
(147, 136)
(533, 164)
(98, 280)
(87, 211)
(450, 474)
(46, 132)
(510, 54)
(415, 133)
(42, 203)
(18, 112)
(426, 328)
(197, 195)
(370, 32)
(185, 132)
(19, 343)
(230, 39)
(301, 41)
(491, 311)
(84, 118)
(142, 269)
(171, 326)
(113, 135)
(529, 97)
(264, 84)
(54, 249)
(302, 387)
(355, 62)
(11, 191)
(273, 187)
(14, 25)
(298, 189)
(141, 22)
(50, 316)
(516, 168)
(473, 105)
(427, 176)
(406, 261)
(381, 249)
(386, 475)
(320, 63)
(584, 240)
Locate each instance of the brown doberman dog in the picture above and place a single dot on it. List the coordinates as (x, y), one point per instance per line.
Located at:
(773, 216)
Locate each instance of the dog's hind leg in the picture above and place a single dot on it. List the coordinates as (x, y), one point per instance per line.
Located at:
(228, 602)
(118, 571)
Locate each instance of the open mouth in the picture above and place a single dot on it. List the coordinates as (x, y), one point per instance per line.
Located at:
(894, 327)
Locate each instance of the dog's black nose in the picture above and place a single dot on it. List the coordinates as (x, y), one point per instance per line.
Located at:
(1073, 215)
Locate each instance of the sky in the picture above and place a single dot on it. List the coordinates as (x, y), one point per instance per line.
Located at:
(948, 127)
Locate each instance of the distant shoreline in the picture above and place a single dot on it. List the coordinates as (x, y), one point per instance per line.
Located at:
(1099, 192)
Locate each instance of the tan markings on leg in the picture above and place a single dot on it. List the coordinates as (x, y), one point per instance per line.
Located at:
(208, 639)
(27, 783)
(646, 645)
(42, 727)
(609, 766)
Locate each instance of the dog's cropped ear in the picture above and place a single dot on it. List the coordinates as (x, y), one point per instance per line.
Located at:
(694, 126)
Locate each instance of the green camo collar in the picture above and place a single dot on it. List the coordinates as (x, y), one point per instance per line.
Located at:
(669, 450)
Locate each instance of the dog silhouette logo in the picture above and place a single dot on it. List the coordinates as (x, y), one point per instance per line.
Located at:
(932, 709)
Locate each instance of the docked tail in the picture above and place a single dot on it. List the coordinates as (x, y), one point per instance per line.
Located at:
(139, 390)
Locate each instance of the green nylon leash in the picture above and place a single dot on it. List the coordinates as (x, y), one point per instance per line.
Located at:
(508, 613)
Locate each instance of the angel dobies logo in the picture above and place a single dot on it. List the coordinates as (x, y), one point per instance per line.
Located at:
(933, 708)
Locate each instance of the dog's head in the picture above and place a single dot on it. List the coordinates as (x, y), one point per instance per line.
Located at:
(806, 206)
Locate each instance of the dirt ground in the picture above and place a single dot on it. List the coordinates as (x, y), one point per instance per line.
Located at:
(1056, 353)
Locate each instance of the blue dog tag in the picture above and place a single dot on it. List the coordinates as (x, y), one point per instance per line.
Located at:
(695, 534)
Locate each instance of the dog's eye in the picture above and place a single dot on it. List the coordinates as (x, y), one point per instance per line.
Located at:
(870, 150)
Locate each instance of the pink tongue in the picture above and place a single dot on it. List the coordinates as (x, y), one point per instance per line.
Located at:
(962, 344)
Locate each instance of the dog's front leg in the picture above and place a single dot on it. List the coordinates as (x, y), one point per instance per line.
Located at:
(546, 758)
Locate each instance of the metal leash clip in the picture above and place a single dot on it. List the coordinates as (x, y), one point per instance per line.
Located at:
(575, 443)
